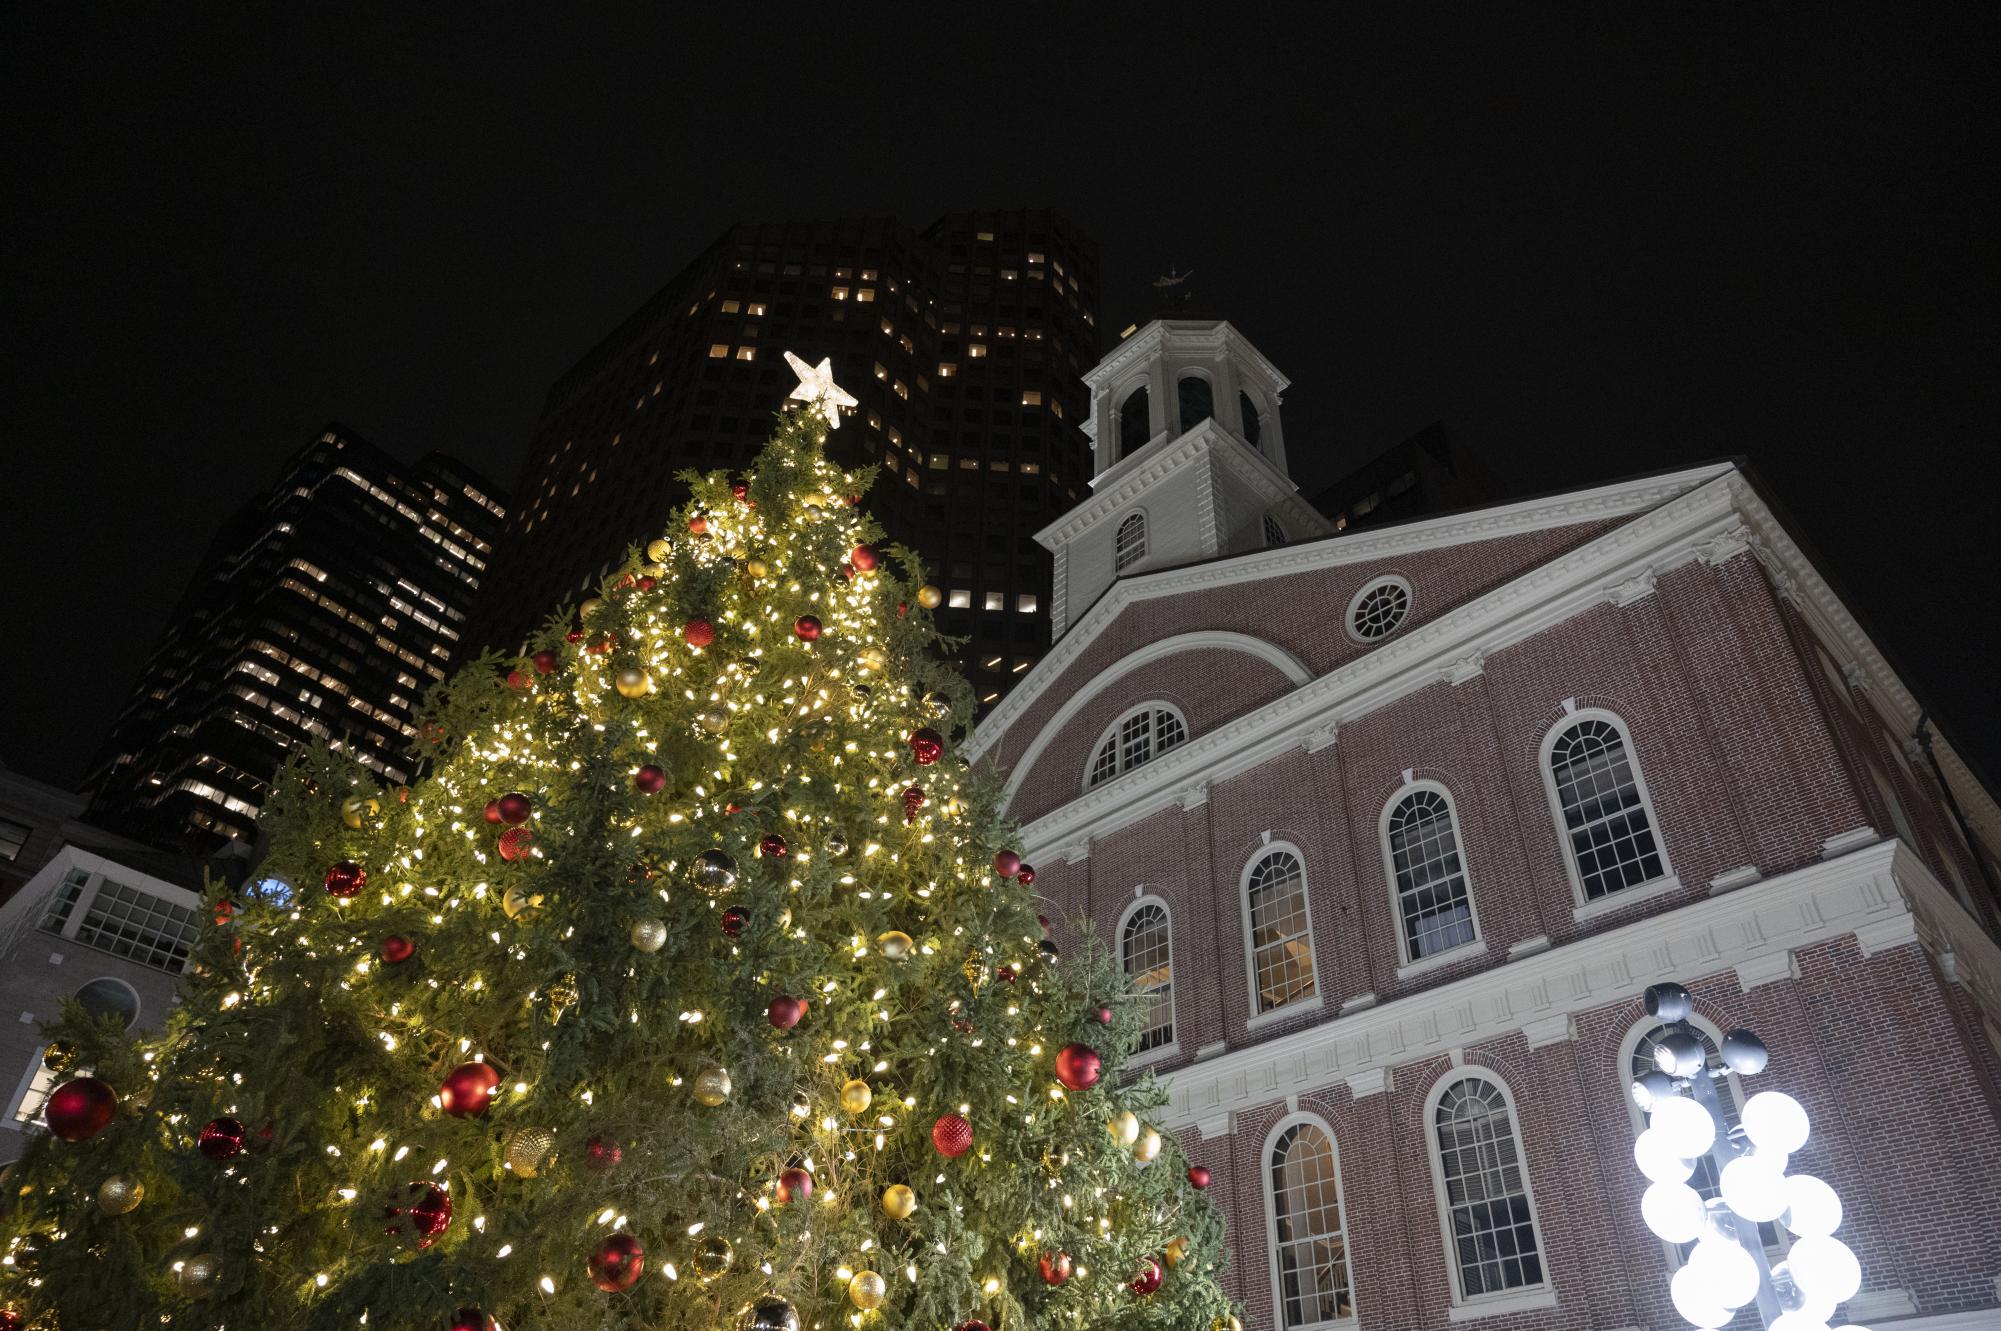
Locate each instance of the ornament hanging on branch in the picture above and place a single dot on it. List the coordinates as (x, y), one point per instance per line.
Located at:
(515, 844)
(221, 1139)
(81, 1108)
(650, 779)
(952, 1136)
(1055, 1267)
(734, 921)
(713, 1258)
(712, 1086)
(913, 800)
(521, 904)
(515, 808)
(867, 1290)
(468, 1089)
(807, 628)
(346, 879)
(616, 1263)
(602, 1155)
(1078, 1067)
(397, 949)
(714, 871)
(120, 1194)
(530, 1150)
(649, 935)
(698, 633)
(926, 746)
(769, 1313)
(421, 1210)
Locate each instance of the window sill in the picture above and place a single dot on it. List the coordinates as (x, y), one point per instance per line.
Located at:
(1158, 1054)
(1625, 897)
(1476, 948)
(1499, 1305)
(1292, 1009)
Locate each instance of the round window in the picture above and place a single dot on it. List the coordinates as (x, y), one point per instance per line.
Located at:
(112, 996)
(1378, 609)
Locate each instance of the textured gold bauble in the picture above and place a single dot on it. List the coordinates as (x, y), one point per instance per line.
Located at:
(930, 597)
(1147, 1148)
(655, 570)
(521, 904)
(867, 1290)
(873, 658)
(354, 810)
(120, 1193)
(60, 1056)
(898, 1201)
(895, 944)
(633, 683)
(657, 550)
(713, 1257)
(530, 1151)
(1125, 1128)
(813, 499)
(649, 935)
(856, 1096)
(712, 1086)
(198, 1274)
(1177, 1252)
(757, 568)
(1229, 1322)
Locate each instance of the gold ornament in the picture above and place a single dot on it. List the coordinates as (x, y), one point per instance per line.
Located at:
(856, 1096)
(898, 1201)
(712, 1086)
(714, 872)
(712, 1258)
(974, 969)
(930, 597)
(649, 935)
(895, 944)
(120, 1193)
(657, 550)
(590, 605)
(531, 1150)
(633, 683)
(60, 1056)
(197, 1275)
(1125, 1128)
(757, 568)
(563, 994)
(868, 1290)
(656, 569)
(873, 658)
(714, 720)
(355, 808)
(814, 499)
(1147, 1148)
(1177, 1252)
(1228, 1322)
(521, 904)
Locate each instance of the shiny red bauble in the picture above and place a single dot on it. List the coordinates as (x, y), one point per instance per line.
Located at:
(1149, 1278)
(1007, 973)
(773, 846)
(617, 1263)
(952, 1135)
(1025, 875)
(795, 1185)
(468, 1089)
(601, 1156)
(11, 1319)
(470, 1319)
(650, 780)
(420, 1210)
(574, 635)
(698, 633)
(81, 1108)
(914, 799)
(516, 680)
(972, 1324)
(1055, 1267)
(926, 746)
(1078, 1067)
(740, 489)
(492, 812)
(1198, 1177)
(1104, 1015)
(807, 627)
(1006, 863)
(735, 919)
(515, 844)
(698, 524)
(397, 948)
(514, 808)
(545, 662)
(346, 879)
(784, 1012)
(864, 558)
(220, 1139)
(601, 647)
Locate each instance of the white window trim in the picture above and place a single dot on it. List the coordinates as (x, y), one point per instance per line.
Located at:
(1278, 1130)
(1110, 733)
(1119, 569)
(1355, 603)
(1478, 943)
(21, 1089)
(1258, 1016)
(1463, 1309)
(1208, 377)
(1584, 909)
(1172, 1049)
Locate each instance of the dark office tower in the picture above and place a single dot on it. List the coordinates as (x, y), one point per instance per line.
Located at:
(965, 343)
(324, 608)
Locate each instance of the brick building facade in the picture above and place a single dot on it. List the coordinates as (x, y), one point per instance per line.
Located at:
(1397, 826)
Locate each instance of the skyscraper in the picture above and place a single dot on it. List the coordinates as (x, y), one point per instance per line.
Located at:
(324, 608)
(965, 343)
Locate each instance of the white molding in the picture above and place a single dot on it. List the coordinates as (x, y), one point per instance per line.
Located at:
(1626, 896)
(1529, 946)
(1560, 1029)
(1969, 1319)
(1463, 952)
(1875, 1304)
(1501, 1305)
(1373, 1082)
(1731, 879)
(1768, 969)
(1843, 842)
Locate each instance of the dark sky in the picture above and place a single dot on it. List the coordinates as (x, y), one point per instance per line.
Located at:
(1596, 243)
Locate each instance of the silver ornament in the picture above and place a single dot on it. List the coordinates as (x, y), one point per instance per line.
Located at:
(714, 871)
(649, 935)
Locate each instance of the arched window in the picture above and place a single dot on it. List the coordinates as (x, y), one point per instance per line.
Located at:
(1483, 1186)
(1608, 829)
(1434, 907)
(104, 996)
(1274, 534)
(1197, 399)
(1131, 542)
(1135, 422)
(1281, 932)
(1309, 1250)
(1253, 428)
(1146, 949)
(1138, 737)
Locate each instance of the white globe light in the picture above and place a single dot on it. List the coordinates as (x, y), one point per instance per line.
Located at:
(1673, 1211)
(1811, 1206)
(1693, 1300)
(1728, 1274)
(1685, 1125)
(1798, 1321)
(1774, 1121)
(1658, 1160)
(1825, 1268)
(1754, 1188)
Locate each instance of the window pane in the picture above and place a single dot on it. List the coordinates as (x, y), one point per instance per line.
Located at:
(1486, 1191)
(1147, 959)
(1280, 946)
(1611, 836)
(1431, 880)
(1312, 1252)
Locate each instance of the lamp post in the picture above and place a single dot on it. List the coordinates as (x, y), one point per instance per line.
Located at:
(1728, 1268)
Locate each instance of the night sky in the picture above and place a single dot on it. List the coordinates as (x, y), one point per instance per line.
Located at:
(1624, 239)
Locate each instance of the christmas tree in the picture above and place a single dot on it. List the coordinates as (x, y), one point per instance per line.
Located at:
(696, 986)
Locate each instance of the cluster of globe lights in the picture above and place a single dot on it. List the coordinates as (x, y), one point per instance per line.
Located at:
(1721, 1274)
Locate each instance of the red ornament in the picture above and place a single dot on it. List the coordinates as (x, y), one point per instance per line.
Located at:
(972, 1324)
(952, 1135)
(647, 583)
(795, 1185)
(863, 558)
(515, 844)
(774, 846)
(492, 812)
(11, 1319)
(1149, 1278)
(616, 1263)
(902, 609)
(516, 680)
(396, 948)
(650, 780)
(223, 910)
(468, 1089)
(698, 524)
(741, 489)
(466, 1319)
(1078, 1067)
(784, 1012)
(1198, 1177)
(913, 800)
(926, 746)
(734, 920)
(1006, 863)
(698, 633)
(1043, 920)
(807, 627)
(220, 1139)
(545, 662)
(574, 635)
(602, 1156)
(599, 648)
(346, 879)
(1055, 1267)
(1104, 1015)
(425, 1212)
(1026, 875)
(515, 808)
(81, 1108)
(1005, 972)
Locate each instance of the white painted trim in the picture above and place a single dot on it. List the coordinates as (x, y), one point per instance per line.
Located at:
(1362, 592)
(1626, 896)
(1501, 1305)
(1290, 1121)
(1145, 541)
(1654, 886)
(1464, 1306)
(1970, 1319)
(1172, 1047)
(1418, 965)
(1259, 1015)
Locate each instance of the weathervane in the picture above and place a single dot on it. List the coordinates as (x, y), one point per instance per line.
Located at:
(1172, 289)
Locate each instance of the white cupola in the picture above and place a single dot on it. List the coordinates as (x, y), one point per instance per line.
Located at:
(1189, 462)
